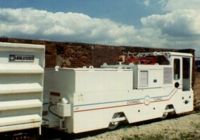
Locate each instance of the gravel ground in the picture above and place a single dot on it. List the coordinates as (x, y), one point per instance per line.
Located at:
(183, 127)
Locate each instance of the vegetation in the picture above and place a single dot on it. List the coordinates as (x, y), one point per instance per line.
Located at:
(147, 137)
(180, 136)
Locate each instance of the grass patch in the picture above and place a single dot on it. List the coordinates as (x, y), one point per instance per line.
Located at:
(180, 136)
(196, 126)
(146, 137)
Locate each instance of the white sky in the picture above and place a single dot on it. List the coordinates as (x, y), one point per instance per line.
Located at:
(149, 23)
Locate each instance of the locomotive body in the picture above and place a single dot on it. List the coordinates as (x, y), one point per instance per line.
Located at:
(85, 99)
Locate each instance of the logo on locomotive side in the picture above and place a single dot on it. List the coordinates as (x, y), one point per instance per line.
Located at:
(21, 58)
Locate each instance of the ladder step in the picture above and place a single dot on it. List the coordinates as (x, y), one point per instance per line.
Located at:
(22, 104)
(20, 88)
(20, 120)
(169, 110)
(119, 119)
(20, 68)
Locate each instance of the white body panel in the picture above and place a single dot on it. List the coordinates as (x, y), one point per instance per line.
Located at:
(97, 94)
(21, 86)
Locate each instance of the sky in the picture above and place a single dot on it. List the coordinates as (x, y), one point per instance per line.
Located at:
(147, 23)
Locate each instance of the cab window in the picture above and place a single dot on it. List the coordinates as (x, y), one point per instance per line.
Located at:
(176, 69)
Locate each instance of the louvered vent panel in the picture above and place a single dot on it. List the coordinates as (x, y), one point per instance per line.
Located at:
(143, 79)
(167, 75)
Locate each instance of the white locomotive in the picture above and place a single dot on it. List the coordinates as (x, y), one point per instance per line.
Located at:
(84, 99)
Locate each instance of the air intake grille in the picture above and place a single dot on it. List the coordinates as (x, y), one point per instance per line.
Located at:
(167, 75)
(143, 79)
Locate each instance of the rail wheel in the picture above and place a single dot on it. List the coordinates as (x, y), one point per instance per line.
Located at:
(113, 125)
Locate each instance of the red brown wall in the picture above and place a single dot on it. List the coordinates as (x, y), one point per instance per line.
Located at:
(82, 54)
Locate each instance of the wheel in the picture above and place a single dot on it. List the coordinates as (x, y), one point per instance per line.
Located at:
(114, 125)
(165, 114)
(26, 137)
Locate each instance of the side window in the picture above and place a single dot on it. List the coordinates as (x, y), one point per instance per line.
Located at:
(176, 69)
(186, 68)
